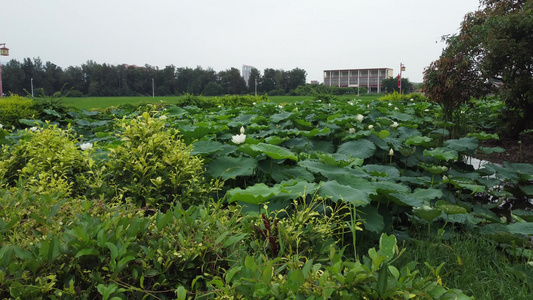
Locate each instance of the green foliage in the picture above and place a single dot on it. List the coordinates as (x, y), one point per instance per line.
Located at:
(373, 278)
(47, 159)
(395, 96)
(492, 49)
(15, 107)
(153, 166)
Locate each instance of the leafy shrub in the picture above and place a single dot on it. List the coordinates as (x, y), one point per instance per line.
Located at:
(395, 96)
(153, 166)
(65, 247)
(47, 159)
(13, 108)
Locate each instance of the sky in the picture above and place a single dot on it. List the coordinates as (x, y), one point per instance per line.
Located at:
(221, 34)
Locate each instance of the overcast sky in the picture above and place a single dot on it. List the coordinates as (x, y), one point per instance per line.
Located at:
(281, 34)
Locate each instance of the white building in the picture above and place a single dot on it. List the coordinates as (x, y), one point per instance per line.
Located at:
(246, 70)
(368, 78)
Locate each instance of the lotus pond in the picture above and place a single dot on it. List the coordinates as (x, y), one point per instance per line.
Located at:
(393, 168)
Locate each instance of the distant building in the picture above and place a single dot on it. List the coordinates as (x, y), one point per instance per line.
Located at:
(246, 70)
(368, 78)
(314, 81)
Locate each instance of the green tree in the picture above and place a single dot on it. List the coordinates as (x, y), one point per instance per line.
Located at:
(255, 78)
(391, 85)
(494, 45)
(297, 78)
(232, 82)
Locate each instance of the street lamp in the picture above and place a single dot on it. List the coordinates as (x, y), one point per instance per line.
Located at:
(32, 87)
(3, 52)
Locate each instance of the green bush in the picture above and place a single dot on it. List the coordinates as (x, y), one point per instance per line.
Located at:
(153, 166)
(45, 158)
(395, 96)
(13, 108)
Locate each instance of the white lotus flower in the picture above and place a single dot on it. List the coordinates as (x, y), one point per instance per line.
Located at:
(394, 125)
(1, 126)
(238, 139)
(34, 129)
(359, 118)
(242, 129)
(390, 104)
(351, 103)
(391, 152)
(163, 117)
(351, 130)
(395, 108)
(412, 99)
(86, 146)
(370, 126)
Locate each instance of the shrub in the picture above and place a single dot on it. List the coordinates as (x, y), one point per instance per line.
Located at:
(47, 159)
(13, 108)
(153, 166)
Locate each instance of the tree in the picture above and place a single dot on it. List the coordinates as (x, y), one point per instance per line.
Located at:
(255, 78)
(494, 45)
(297, 78)
(232, 82)
(268, 83)
(391, 84)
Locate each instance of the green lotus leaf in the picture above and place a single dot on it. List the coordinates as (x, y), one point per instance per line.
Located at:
(465, 144)
(275, 152)
(335, 191)
(450, 209)
(417, 140)
(483, 136)
(256, 194)
(315, 132)
(276, 118)
(371, 218)
(359, 148)
(382, 134)
(490, 150)
(442, 154)
(275, 140)
(226, 167)
(426, 212)
(323, 169)
(420, 197)
(205, 148)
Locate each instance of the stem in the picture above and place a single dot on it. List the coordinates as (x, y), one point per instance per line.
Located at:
(354, 230)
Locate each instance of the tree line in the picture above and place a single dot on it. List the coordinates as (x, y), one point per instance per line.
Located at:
(94, 79)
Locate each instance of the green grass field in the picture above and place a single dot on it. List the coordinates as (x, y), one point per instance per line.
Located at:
(104, 102)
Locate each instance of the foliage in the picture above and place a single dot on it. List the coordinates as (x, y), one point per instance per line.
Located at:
(394, 96)
(152, 166)
(391, 85)
(310, 185)
(314, 89)
(47, 159)
(492, 47)
(15, 107)
(94, 79)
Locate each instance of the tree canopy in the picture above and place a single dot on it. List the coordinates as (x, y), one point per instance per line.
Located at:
(492, 50)
(96, 79)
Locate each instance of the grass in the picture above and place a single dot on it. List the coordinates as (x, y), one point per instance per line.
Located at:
(105, 102)
(486, 272)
